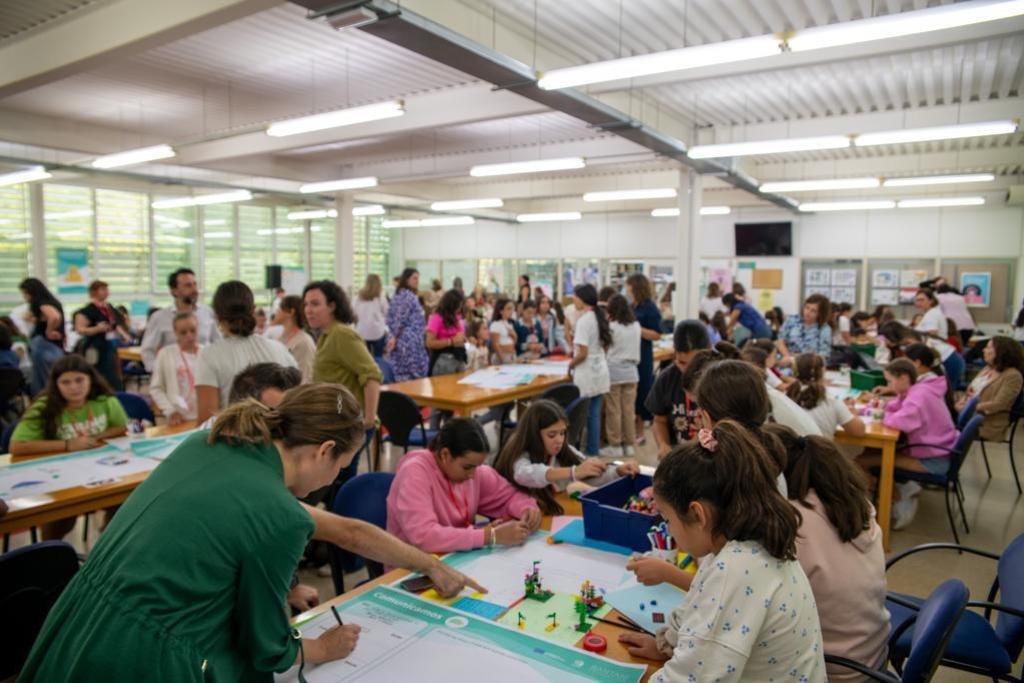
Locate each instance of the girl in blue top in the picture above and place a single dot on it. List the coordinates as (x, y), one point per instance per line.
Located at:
(746, 315)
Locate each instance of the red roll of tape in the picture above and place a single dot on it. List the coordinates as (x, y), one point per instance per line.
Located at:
(595, 643)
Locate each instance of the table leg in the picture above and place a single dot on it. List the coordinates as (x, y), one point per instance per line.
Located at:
(885, 486)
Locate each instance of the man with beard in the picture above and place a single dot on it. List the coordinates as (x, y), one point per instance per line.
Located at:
(160, 326)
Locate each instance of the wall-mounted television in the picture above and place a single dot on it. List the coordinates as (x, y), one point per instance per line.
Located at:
(764, 239)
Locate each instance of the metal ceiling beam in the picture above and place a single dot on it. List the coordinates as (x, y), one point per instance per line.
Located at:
(430, 39)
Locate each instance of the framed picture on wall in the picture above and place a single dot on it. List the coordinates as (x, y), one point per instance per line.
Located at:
(883, 277)
(907, 295)
(844, 277)
(911, 278)
(844, 295)
(977, 289)
(884, 297)
(824, 291)
(816, 277)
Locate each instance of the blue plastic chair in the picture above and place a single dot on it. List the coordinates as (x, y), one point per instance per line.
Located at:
(135, 406)
(31, 580)
(929, 630)
(400, 416)
(977, 645)
(5, 438)
(1016, 413)
(950, 481)
(364, 498)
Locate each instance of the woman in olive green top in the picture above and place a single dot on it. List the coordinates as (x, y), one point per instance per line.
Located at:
(189, 581)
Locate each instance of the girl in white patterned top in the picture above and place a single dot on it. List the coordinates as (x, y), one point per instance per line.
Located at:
(750, 613)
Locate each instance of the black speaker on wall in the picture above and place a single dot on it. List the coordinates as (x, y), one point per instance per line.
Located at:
(273, 277)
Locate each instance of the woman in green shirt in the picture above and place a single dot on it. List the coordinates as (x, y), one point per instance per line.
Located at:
(189, 581)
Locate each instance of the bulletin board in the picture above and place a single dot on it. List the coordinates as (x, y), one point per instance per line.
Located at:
(893, 283)
(767, 278)
(839, 280)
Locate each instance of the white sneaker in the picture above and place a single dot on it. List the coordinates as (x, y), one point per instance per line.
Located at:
(903, 512)
(909, 489)
(610, 452)
(628, 451)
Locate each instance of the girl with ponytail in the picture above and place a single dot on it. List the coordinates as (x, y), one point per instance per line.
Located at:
(750, 614)
(809, 392)
(589, 364)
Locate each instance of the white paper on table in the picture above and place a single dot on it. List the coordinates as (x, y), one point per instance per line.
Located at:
(90, 468)
(121, 443)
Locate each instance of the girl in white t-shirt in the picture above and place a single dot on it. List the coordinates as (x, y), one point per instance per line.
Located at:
(503, 332)
(589, 364)
(173, 386)
(811, 394)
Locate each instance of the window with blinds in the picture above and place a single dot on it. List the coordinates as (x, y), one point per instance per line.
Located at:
(122, 238)
(321, 234)
(218, 246)
(174, 241)
(255, 240)
(291, 240)
(15, 240)
(360, 244)
(68, 216)
(378, 239)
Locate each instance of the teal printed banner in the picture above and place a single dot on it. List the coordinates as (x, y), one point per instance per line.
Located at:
(72, 271)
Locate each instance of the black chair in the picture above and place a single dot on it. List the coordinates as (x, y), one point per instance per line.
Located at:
(577, 414)
(1016, 413)
(365, 498)
(5, 437)
(136, 407)
(31, 580)
(562, 394)
(401, 417)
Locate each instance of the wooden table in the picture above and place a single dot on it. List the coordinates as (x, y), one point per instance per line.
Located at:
(32, 511)
(445, 393)
(662, 353)
(130, 353)
(572, 507)
(876, 435)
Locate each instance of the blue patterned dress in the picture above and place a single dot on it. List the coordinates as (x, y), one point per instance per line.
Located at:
(406, 323)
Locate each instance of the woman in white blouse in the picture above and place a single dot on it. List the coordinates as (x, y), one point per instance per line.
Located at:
(294, 336)
(173, 386)
(371, 309)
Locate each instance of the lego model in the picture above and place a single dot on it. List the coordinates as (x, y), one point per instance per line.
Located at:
(534, 586)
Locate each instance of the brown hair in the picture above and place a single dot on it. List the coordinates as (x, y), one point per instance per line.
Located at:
(901, 367)
(526, 440)
(714, 291)
(808, 390)
(737, 480)
(619, 310)
(824, 308)
(55, 402)
(641, 288)
(293, 304)
(815, 462)
(1009, 354)
(723, 350)
(928, 294)
(756, 357)
(234, 306)
(310, 414)
(333, 294)
(97, 285)
(372, 289)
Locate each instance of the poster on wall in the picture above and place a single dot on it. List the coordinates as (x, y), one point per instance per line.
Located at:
(912, 278)
(844, 277)
(816, 277)
(293, 279)
(843, 295)
(578, 275)
(824, 291)
(976, 288)
(906, 295)
(884, 297)
(72, 271)
(723, 276)
(765, 300)
(885, 278)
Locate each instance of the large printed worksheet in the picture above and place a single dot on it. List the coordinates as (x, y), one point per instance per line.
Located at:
(89, 468)
(404, 638)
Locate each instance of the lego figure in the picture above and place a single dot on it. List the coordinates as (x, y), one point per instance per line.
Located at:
(534, 587)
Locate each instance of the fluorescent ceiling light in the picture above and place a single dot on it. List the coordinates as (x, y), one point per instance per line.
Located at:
(341, 184)
(313, 213)
(813, 185)
(848, 206)
(336, 119)
(704, 211)
(215, 221)
(218, 235)
(962, 130)
(169, 222)
(203, 199)
(462, 204)
(174, 239)
(939, 180)
(66, 215)
(549, 217)
(428, 222)
(133, 156)
(616, 195)
(369, 210)
(662, 62)
(24, 176)
(535, 166)
(739, 149)
(904, 24)
(933, 202)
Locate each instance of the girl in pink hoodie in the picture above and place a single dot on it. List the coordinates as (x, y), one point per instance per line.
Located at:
(437, 494)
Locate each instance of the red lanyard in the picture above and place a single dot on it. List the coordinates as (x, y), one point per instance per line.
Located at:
(188, 373)
(107, 313)
(462, 509)
(88, 423)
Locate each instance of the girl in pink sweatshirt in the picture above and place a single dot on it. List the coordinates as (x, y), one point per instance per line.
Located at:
(839, 547)
(437, 494)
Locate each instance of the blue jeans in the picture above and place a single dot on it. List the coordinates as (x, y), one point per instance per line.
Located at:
(954, 367)
(44, 354)
(376, 346)
(593, 444)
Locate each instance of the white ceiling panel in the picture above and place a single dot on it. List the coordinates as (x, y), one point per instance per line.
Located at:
(17, 17)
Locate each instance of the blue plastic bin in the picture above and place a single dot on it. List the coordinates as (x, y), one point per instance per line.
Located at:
(605, 520)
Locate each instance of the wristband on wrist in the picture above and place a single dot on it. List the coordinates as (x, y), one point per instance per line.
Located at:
(572, 473)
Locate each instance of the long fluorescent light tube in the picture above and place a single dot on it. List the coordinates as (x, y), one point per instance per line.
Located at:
(312, 214)
(133, 156)
(223, 234)
(704, 211)
(336, 119)
(963, 130)
(826, 184)
(24, 176)
(369, 210)
(203, 199)
(535, 166)
(462, 204)
(904, 24)
(549, 217)
(428, 222)
(848, 206)
(740, 149)
(622, 195)
(939, 180)
(939, 202)
(661, 62)
(341, 184)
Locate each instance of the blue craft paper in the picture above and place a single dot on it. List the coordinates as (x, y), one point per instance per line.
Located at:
(481, 608)
(573, 533)
(636, 603)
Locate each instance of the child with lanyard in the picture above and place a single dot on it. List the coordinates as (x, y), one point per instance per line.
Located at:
(173, 386)
(674, 412)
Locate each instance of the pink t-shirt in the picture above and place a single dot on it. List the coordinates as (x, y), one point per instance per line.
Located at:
(436, 325)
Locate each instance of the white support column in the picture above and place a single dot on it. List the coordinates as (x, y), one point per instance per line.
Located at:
(687, 266)
(37, 226)
(344, 241)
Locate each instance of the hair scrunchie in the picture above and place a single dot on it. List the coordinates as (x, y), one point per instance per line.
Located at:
(707, 439)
